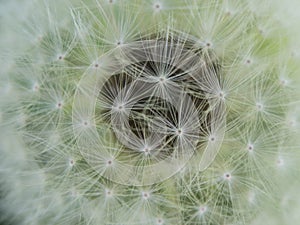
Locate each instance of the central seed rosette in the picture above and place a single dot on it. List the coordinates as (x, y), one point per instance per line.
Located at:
(147, 108)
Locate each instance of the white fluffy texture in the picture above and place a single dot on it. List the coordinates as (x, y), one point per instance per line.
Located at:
(66, 191)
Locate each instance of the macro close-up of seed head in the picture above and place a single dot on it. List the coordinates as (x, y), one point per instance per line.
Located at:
(137, 112)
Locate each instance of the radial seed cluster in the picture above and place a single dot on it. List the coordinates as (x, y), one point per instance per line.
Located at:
(148, 112)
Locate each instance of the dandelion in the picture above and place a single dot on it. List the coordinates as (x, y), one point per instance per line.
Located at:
(148, 112)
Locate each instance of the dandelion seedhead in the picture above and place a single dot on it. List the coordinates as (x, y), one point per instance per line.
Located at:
(148, 112)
